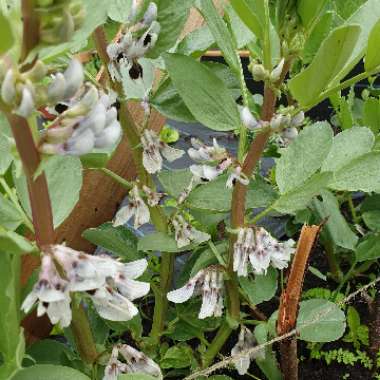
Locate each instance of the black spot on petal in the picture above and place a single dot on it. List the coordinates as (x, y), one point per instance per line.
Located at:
(136, 71)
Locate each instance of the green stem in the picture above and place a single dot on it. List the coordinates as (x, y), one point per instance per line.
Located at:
(354, 214)
(218, 342)
(158, 217)
(345, 279)
(261, 215)
(216, 253)
(122, 181)
(16, 203)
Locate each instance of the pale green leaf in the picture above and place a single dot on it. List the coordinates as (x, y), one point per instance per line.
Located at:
(372, 219)
(136, 376)
(372, 59)
(242, 34)
(330, 60)
(175, 181)
(206, 96)
(371, 114)
(7, 40)
(309, 10)
(6, 156)
(369, 248)
(11, 242)
(320, 321)
(50, 372)
(304, 156)
(10, 216)
(119, 10)
(347, 146)
(196, 42)
(361, 174)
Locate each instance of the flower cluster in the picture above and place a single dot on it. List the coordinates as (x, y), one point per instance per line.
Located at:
(154, 149)
(90, 120)
(110, 284)
(125, 53)
(210, 284)
(135, 362)
(245, 341)
(261, 249)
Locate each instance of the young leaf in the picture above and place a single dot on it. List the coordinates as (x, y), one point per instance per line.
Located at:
(10, 216)
(203, 92)
(372, 219)
(320, 321)
(304, 156)
(179, 356)
(309, 10)
(221, 33)
(369, 248)
(49, 371)
(361, 174)
(343, 150)
(331, 58)
(371, 114)
(118, 240)
(372, 59)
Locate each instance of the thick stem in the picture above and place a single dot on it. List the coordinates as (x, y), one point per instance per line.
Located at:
(374, 327)
(288, 350)
(157, 216)
(31, 27)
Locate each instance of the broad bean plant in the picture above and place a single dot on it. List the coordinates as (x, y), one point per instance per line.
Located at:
(190, 271)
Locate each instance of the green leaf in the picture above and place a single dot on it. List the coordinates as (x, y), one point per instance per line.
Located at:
(221, 33)
(7, 39)
(119, 10)
(336, 226)
(309, 10)
(11, 337)
(300, 197)
(6, 156)
(207, 258)
(136, 376)
(343, 150)
(196, 42)
(242, 34)
(346, 8)
(10, 216)
(167, 101)
(371, 114)
(175, 181)
(172, 16)
(320, 321)
(118, 240)
(262, 288)
(11, 242)
(159, 241)
(206, 96)
(372, 219)
(372, 59)
(361, 174)
(48, 351)
(49, 372)
(331, 58)
(177, 357)
(369, 248)
(64, 178)
(304, 156)
(215, 196)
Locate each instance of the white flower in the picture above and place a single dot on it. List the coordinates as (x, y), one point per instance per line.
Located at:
(153, 198)
(195, 180)
(114, 367)
(152, 150)
(208, 173)
(298, 119)
(51, 293)
(203, 153)
(136, 207)
(208, 282)
(186, 234)
(26, 106)
(8, 87)
(245, 342)
(138, 362)
(280, 121)
(150, 14)
(275, 75)
(248, 120)
(237, 175)
(257, 245)
(74, 77)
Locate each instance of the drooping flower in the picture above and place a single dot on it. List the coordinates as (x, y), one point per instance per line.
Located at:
(203, 153)
(237, 175)
(208, 173)
(275, 75)
(136, 207)
(52, 294)
(153, 198)
(153, 148)
(248, 120)
(210, 284)
(245, 342)
(135, 362)
(186, 234)
(261, 249)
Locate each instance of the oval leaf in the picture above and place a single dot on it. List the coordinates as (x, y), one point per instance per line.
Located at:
(48, 371)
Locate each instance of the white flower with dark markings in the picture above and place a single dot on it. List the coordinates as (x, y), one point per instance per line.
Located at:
(203, 153)
(154, 149)
(210, 284)
(135, 208)
(245, 342)
(153, 198)
(135, 362)
(261, 249)
(186, 234)
(208, 173)
(51, 293)
(237, 175)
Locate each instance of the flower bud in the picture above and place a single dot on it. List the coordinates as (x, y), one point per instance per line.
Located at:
(258, 72)
(150, 14)
(298, 119)
(67, 27)
(74, 77)
(280, 121)
(37, 72)
(275, 75)
(96, 119)
(109, 136)
(58, 134)
(82, 144)
(57, 88)
(85, 104)
(27, 103)
(248, 120)
(8, 88)
(47, 148)
(290, 133)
